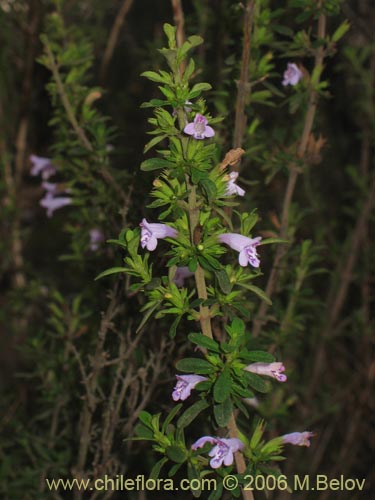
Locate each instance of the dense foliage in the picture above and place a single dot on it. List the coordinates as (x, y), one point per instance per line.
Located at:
(155, 225)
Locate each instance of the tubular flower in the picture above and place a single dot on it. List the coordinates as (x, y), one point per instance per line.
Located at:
(199, 128)
(52, 203)
(292, 75)
(42, 166)
(298, 438)
(222, 452)
(245, 246)
(274, 370)
(232, 187)
(96, 237)
(181, 274)
(150, 233)
(185, 383)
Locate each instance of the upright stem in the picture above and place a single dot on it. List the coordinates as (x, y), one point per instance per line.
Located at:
(200, 281)
(243, 83)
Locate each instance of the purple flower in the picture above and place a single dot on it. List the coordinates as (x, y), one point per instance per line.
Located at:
(232, 187)
(274, 370)
(42, 166)
(298, 438)
(181, 274)
(52, 203)
(185, 383)
(96, 237)
(292, 75)
(222, 452)
(150, 233)
(50, 187)
(199, 128)
(245, 246)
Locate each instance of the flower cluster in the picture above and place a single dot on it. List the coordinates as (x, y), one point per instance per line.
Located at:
(52, 199)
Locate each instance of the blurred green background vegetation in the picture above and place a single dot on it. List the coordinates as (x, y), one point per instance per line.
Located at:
(66, 407)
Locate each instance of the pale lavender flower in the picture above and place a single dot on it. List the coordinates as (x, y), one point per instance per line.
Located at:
(96, 237)
(232, 187)
(199, 128)
(274, 370)
(298, 438)
(185, 383)
(222, 452)
(150, 233)
(42, 166)
(181, 274)
(50, 187)
(292, 75)
(52, 203)
(245, 246)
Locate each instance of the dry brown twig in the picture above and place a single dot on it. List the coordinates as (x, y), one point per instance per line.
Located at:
(113, 37)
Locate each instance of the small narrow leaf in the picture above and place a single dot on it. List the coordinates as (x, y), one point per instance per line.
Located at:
(223, 412)
(203, 341)
(195, 365)
(112, 270)
(222, 387)
(191, 413)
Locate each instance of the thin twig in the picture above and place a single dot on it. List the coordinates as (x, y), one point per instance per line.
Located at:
(113, 37)
(243, 88)
(179, 20)
(346, 272)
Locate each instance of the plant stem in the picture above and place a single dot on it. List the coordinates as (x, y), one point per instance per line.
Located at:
(243, 89)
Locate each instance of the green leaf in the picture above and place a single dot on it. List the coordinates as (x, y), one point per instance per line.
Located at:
(223, 280)
(258, 291)
(268, 241)
(146, 418)
(171, 416)
(209, 187)
(153, 142)
(170, 31)
(176, 453)
(173, 328)
(155, 164)
(195, 365)
(203, 341)
(147, 315)
(155, 471)
(223, 412)
(112, 270)
(341, 30)
(257, 356)
(222, 387)
(144, 432)
(155, 77)
(191, 413)
(217, 493)
(256, 382)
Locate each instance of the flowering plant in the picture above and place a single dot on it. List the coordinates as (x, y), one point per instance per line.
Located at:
(194, 192)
